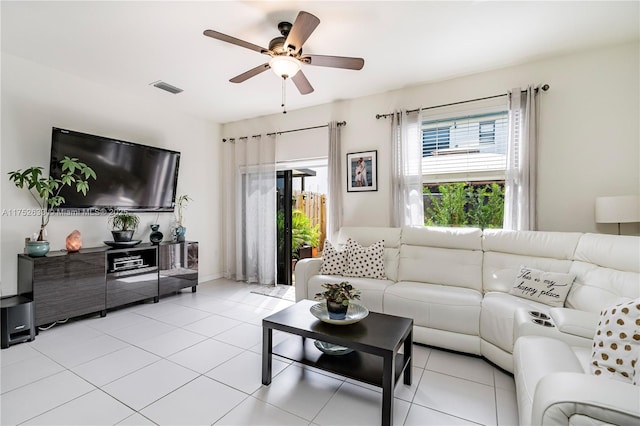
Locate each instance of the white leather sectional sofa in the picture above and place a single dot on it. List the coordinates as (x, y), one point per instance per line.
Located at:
(455, 282)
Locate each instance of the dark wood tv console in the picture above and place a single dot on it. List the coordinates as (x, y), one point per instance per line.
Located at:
(65, 285)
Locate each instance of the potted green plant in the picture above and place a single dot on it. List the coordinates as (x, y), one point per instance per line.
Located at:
(123, 225)
(303, 233)
(338, 297)
(181, 204)
(46, 192)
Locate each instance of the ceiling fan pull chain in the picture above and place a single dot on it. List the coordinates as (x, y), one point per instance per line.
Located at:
(284, 95)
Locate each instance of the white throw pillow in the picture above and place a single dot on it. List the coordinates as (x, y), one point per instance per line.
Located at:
(616, 344)
(550, 288)
(334, 261)
(365, 262)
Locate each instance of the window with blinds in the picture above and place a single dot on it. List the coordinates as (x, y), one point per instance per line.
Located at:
(466, 148)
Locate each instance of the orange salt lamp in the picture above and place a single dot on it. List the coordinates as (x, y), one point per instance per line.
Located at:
(74, 241)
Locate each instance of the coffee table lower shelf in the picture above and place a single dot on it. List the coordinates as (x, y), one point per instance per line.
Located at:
(356, 365)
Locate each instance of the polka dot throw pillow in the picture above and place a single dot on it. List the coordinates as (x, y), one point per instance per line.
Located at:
(334, 261)
(365, 262)
(616, 345)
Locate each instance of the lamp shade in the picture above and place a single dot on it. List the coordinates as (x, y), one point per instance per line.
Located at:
(284, 66)
(621, 209)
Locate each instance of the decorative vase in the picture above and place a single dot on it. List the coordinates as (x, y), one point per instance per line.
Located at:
(156, 236)
(122, 236)
(180, 232)
(37, 248)
(336, 310)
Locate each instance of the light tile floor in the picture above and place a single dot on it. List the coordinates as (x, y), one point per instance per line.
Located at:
(194, 359)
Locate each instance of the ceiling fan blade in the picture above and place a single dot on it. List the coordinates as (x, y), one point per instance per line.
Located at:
(251, 73)
(301, 82)
(302, 28)
(236, 41)
(334, 61)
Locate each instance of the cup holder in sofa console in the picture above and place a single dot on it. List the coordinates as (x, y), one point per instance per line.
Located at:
(543, 322)
(540, 315)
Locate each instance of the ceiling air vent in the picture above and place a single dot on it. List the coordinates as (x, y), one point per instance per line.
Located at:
(167, 87)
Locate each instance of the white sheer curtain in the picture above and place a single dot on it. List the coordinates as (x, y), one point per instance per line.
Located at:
(229, 194)
(250, 251)
(521, 173)
(334, 170)
(407, 206)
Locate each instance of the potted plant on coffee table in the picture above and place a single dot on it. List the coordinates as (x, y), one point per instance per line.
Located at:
(123, 225)
(46, 192)
(338, 297)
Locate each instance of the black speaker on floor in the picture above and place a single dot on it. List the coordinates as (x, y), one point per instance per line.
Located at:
(16, 321)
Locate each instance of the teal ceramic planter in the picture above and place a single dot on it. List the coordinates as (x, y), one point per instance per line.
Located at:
(37, 248)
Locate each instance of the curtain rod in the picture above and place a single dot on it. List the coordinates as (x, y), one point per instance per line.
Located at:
(340, 123)
(544, 87)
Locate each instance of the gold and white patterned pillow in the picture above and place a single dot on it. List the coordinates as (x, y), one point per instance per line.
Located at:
(365, 262)
(616, 345)
(334, 261)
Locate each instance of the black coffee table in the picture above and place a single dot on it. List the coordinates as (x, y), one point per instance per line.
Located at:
(376, 341)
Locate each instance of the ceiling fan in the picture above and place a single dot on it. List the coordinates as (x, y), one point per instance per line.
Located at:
(286, 53)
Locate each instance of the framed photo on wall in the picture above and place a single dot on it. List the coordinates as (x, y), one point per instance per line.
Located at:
(362, 171)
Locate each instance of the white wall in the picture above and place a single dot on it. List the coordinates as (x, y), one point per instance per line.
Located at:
(37, 98)
(589, 132)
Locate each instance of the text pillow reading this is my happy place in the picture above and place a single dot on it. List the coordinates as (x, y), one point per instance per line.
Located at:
(550, 288)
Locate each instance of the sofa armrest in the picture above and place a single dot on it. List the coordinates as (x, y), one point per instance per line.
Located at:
(561, 396)
(305, 269)
(572, 321)
(526, 325)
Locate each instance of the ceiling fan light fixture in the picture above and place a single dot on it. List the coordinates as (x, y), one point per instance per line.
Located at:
(284, 66)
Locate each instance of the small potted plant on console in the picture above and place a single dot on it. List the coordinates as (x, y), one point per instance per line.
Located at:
(338, 297)
(123, 226)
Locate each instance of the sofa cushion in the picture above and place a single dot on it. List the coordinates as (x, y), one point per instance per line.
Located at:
(620, 252)
(506, 251)
(557, 245)
(451, 267)
(443, 237)
(607, 270)
(497, 317)
(597, 287)
(550, 288)
(367, 235)
(435, 306)
(365, 262)
(616, 343)
(334, 261)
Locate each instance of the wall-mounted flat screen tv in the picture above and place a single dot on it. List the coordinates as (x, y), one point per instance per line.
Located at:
(130, 176)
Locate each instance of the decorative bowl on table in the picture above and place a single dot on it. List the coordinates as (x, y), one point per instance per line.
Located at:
(331, 349)
(355, 313)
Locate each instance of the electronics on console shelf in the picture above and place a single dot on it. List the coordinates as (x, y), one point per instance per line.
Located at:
(128, 262)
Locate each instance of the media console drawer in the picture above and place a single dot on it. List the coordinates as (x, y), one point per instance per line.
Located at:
(63, 285)
(178, 265)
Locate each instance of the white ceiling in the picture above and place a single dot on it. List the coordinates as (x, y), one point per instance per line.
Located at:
(128, 45)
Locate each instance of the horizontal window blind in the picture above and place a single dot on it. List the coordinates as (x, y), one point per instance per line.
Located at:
(469, 147)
